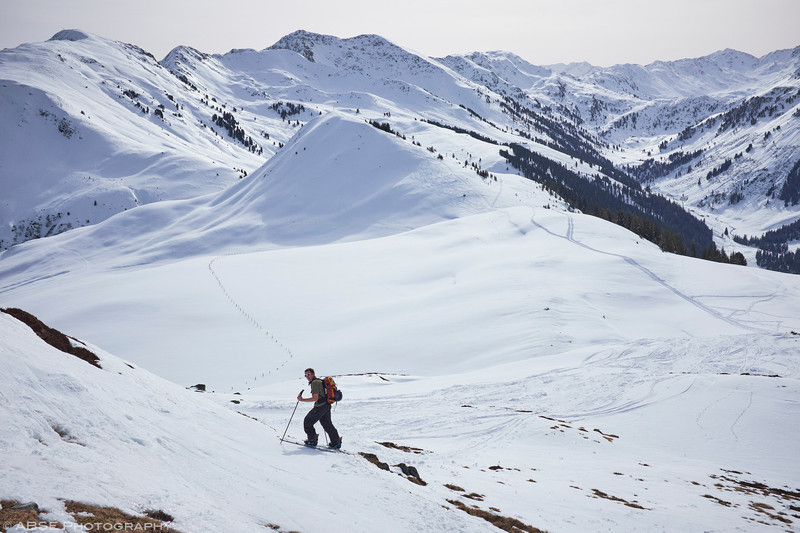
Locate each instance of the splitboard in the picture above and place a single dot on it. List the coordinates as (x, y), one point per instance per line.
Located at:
(317, 448)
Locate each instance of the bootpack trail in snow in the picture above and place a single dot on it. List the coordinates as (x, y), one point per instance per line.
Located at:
(254, 323)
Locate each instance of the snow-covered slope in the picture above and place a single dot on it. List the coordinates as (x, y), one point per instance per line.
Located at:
(559, 370)
(121, 437)
(92, 127)
(552, 369)
(338, 179)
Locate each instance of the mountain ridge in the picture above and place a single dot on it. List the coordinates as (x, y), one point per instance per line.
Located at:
(628, 114)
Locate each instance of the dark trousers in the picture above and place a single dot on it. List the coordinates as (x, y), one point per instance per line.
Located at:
(321, 414)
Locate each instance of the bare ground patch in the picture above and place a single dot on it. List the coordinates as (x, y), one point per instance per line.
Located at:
(100, 518)
(600, 494)
(91, 517)
(53, 337)
(407, 449)
(505, 523)
(562, 425)
(9, 517)
(769, 505)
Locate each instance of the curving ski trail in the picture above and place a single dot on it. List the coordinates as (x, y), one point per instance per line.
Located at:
(649, 273)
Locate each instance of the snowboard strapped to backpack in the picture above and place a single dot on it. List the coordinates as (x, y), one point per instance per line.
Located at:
(332, 393)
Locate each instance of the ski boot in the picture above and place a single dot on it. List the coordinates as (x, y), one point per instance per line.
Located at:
(337, 446)
(310, 443)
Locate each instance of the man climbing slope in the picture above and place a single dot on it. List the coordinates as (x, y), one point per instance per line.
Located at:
(320, 413)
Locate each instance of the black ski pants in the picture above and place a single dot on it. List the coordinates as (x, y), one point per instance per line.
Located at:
(321, 414)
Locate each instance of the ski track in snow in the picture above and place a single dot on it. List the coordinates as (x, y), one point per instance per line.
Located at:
(724, 400)
(776, 325)
(746, 408)
(499, 191)
(33, 281)
(655, 368)
(708, 406)
(649, 273)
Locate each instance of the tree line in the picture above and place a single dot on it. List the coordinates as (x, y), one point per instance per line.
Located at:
(790, 193)
(650, 216)
(773, 251)
(650, 169)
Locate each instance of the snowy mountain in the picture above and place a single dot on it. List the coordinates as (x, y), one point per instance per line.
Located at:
(683, 120)
(348, 205)
(95, 127)
(194, 123)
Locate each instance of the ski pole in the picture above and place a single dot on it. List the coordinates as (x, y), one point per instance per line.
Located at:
(290, 418)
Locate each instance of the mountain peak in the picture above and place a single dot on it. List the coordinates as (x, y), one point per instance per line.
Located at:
(732, 59)
(577, 69)
(302, 42)
(505, 61)
(69, 35)
(307, 44)
(183, 54)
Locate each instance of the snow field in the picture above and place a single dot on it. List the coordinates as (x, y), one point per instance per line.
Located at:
(614, 386)
(476, 376)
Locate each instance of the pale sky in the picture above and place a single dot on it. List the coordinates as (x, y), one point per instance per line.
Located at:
(602, 32)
